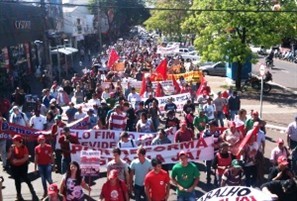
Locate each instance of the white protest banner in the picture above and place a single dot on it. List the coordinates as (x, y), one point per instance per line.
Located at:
(89, 162)
(179, 99)
(168, 50)
(235, 193)
(104, 139)
(201, 149)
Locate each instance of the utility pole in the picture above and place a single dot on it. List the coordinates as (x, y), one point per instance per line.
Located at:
(99, 25)
(46, 46)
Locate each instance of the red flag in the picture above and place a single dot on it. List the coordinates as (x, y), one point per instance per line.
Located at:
(158, 90)
(200, 89)
(143, 86)
(112, 58)
(175, 84)
(162, 69)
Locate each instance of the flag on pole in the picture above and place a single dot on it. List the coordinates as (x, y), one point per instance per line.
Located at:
(201, 87)
(162, 69)
(112, 58)
(175, 84)
(143, 86)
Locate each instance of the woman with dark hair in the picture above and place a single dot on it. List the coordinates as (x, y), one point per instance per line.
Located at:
(73, 183)
(144, 124)
(50, 119)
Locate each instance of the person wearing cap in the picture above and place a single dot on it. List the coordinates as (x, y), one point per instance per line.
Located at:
(114, 188)
(220, 102)
(65, 139)
(279, 150)
(53, 194)
(120, 165)
(139, 168)
(44, 159)
(233, 104)
(291, 132)
(18, 156)
(18, 117)
(102, 112)
(233, 175)
(157, 182)
(184, 134)
(117, 120)
(172, 121)
(221, 162)
(281, 171)
(185, 176)
(232, 136)
(254, 118)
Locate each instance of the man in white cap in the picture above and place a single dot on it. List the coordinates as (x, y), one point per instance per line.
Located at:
(18, 117)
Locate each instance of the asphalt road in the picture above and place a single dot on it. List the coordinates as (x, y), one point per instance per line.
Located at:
(284, 73)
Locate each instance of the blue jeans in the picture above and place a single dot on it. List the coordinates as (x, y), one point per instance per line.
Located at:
(65, 164)
(220, 118)
(232, 114)
(189, 196)
(45, 172)
(139, 192)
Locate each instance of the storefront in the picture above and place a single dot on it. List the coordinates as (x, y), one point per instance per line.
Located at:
(20, 25)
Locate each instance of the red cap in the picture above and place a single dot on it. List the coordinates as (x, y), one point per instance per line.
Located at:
(282, 160)
(113, 174)
(280, 141)
(182, 153)
(52, 189)
(17, 138)
(40, 137)
(256, 113)
(183, 123)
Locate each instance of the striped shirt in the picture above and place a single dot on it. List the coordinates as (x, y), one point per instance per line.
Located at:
(117, 121)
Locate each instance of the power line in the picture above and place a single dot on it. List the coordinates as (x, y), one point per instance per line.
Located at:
(158, 9)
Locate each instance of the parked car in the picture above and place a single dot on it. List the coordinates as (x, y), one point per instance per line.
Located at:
(193, 56)
(218, 68)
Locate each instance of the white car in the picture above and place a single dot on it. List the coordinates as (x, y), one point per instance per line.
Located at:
(193, 56)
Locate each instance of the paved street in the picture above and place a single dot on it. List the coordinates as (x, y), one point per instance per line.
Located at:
(277, 111)
(283, 73)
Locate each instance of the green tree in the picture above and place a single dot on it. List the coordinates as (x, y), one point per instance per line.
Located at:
(121, 15)
(225, 28)
(165, 20)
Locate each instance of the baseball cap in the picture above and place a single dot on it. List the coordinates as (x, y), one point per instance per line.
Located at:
(52, 189)
(282, 160)
(40, 137)
(113, 174)
(235, 163)
(15, 107)
(182, 153)
(256, 113)
(280, 141)
(17, 138)
(52, 100)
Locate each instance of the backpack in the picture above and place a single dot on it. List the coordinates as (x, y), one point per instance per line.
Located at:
(132, 143)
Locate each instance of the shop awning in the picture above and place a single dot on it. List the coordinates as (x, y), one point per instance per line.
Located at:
(65, 50)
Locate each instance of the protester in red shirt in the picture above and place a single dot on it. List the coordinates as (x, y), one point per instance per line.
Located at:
(54, 133)
(18, 156)
(184, 134)
(157, 182)
(44, 159)
(65, 139)
(114, 189)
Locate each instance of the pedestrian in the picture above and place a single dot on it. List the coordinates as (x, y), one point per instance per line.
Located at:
(220, 103)
(233, 105)
(281, 190)
(292, 134)
(161, 138)
(65, 139)
(184, 134)
(72, 184)
(185, 175)
(233, 175)
(120, 165)
(157, 182)
(114, 189)
(139, 168)
(117, 120)
(144, 124)
(210, 109)
(38, 121)
(44, 159)
(18, 156)
(3, 143)
(281, 171)
(279, 150)
(200, 122)
(53, 194)
(125, 142)
(18, 117)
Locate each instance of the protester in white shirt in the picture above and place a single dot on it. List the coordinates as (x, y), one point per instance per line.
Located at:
(38, 121)
(134, 98)
(79, 114)
(18, 117)
(94, 100)
(125, 142)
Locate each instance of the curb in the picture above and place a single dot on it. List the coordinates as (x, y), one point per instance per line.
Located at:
(276, 128)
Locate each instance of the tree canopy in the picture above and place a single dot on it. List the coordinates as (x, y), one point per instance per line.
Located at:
(225, 28)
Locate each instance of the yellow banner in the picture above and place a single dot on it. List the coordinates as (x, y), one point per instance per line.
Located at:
(192, 75)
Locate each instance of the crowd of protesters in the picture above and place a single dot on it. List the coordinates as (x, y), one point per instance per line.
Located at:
(119, 106)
